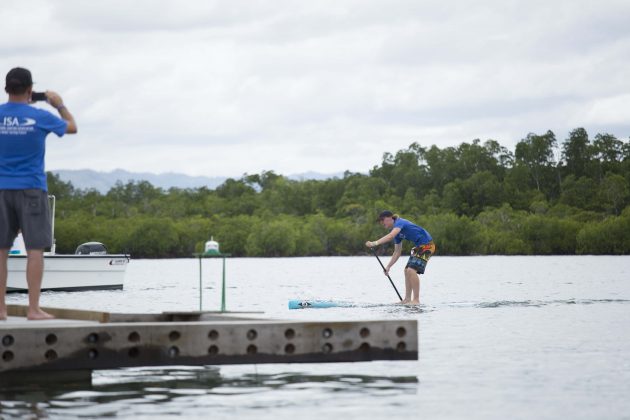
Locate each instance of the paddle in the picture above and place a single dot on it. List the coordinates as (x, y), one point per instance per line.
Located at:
(390, 279)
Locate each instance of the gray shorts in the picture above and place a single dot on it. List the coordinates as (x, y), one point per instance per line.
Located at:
(26, 210)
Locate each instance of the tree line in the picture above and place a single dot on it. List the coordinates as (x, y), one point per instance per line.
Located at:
(545, 197)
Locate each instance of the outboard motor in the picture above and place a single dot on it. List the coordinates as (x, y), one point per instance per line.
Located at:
(91, 248)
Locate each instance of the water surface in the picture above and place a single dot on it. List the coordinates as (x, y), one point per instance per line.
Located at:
(500, 337)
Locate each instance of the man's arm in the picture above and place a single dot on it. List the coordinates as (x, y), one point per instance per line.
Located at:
(387, 238)
(395, 256)
(55, 100)
(67, 117)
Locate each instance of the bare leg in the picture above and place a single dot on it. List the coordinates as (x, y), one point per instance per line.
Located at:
(408, 281)
(412, 290)
(4, 254)
(415, 287)
(34, 274)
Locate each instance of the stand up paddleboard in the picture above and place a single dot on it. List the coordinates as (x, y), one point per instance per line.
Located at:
(320, 304)
(304, 304)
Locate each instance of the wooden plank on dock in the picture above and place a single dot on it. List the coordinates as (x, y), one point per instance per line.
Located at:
(62, 313)
(105, 317)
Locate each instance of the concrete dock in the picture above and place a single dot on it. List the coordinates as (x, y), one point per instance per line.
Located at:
(81, 341)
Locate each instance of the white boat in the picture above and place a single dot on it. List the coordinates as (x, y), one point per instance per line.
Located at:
(90, 268)
(71, 272)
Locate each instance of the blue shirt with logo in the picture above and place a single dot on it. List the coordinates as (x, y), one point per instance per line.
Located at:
(23, 131)
(411, 232)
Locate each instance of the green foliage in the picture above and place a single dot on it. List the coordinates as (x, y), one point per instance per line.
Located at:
(277, 238)
(232, 232)
(500, 229)
(614, 193)
(577, 152)
(476, 198)
(579, 192)
(454, 235)
(610, 236)
(152, 238)
(548, 235)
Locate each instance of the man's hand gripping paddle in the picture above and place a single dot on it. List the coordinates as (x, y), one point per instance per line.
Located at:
(390, 279)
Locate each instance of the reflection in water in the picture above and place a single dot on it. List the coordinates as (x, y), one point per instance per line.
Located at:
(164, 391)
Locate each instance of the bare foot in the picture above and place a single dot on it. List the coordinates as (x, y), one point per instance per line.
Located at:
(413, 302)
(403, 302)
(38, 315)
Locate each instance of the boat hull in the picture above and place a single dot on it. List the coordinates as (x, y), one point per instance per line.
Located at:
(71, 272)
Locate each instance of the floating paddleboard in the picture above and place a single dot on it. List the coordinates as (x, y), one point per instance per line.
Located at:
(320, 304)
(304, 304)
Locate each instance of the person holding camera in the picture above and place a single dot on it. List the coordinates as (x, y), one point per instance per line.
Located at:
(23, 188)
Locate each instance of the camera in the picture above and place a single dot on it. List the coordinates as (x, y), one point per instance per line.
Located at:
(38, 96)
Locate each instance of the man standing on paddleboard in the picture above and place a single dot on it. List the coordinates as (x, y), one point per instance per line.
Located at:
(423, 249)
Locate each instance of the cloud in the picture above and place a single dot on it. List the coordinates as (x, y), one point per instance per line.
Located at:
(613, 110)
(226, 87)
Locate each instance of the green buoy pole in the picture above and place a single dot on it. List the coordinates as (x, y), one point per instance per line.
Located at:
(223, 289)
(200, 289)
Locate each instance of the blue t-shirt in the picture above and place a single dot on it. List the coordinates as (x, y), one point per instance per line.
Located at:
(411, 232)
(23, 131)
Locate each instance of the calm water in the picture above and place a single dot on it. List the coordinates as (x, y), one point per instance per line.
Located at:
(500, 337)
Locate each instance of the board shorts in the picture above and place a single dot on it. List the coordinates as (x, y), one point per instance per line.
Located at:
(420, 257)
(28, 211)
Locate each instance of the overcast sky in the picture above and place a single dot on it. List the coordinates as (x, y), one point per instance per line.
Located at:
(222, 88)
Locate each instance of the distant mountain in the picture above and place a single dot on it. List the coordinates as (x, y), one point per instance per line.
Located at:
(314, 175)
(103, 181)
